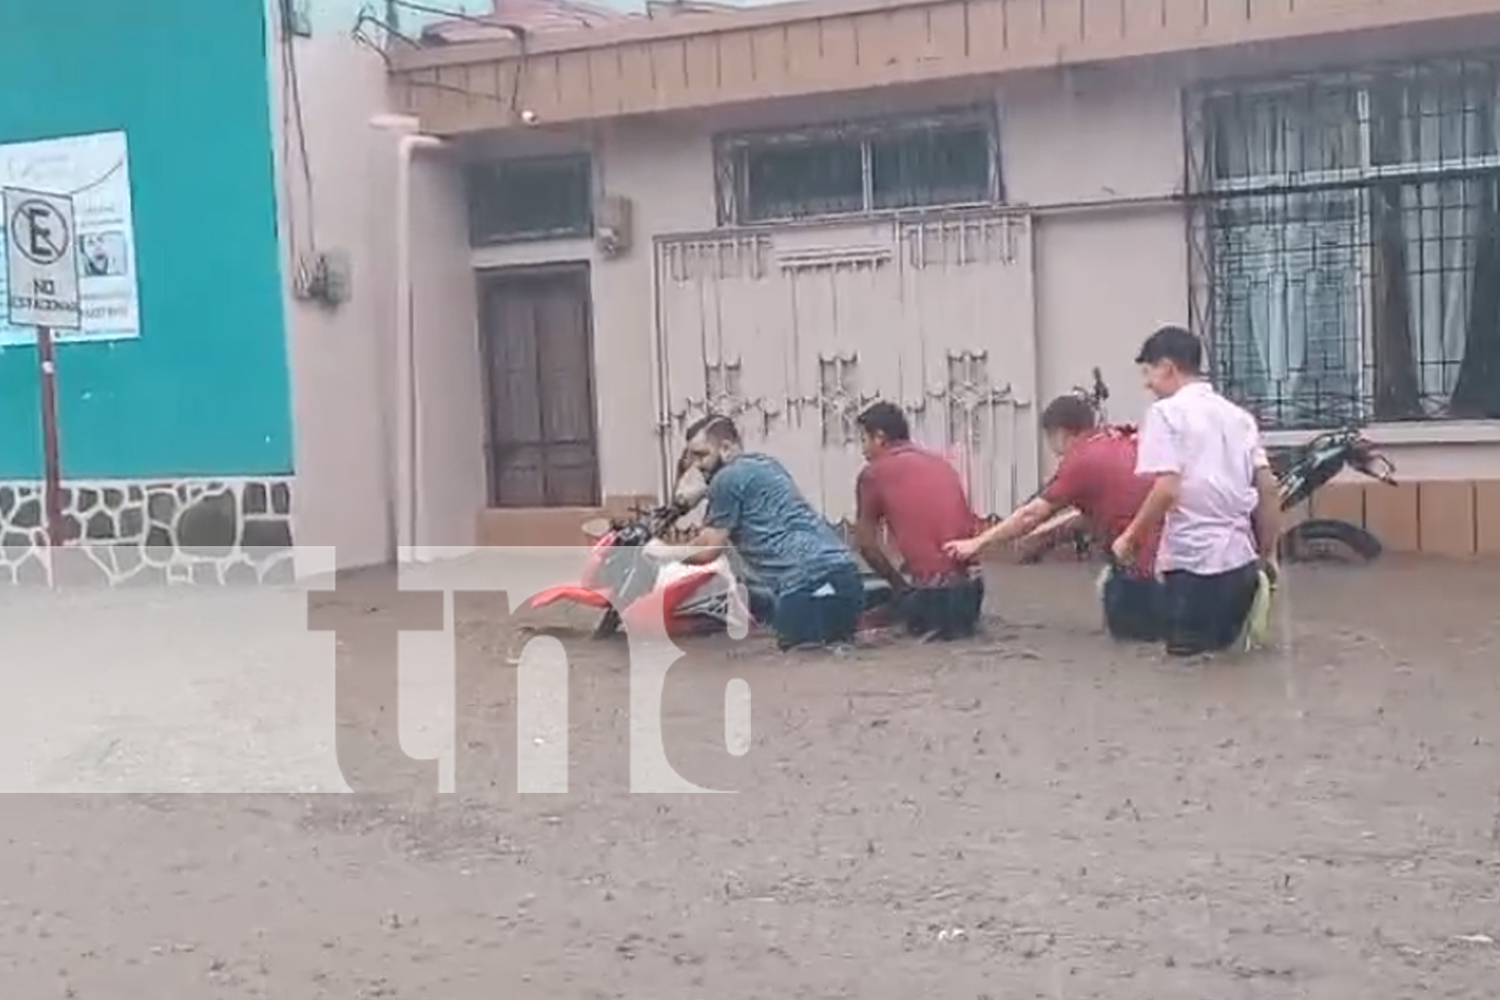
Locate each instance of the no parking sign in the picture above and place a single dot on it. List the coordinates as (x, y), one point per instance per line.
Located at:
(41, 260)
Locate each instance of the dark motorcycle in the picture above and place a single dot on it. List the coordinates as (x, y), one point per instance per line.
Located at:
(1300, 472)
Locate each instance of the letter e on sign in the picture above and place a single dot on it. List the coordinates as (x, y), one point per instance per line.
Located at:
(41, 260)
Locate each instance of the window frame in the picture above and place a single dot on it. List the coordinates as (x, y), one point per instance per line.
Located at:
(1213, 195)
(493, 172)
(731, 150)
(1367, 171)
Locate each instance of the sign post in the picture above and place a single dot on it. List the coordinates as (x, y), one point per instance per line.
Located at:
(41, 262)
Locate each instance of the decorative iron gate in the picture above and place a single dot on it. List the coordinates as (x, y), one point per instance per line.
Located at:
(793, 331)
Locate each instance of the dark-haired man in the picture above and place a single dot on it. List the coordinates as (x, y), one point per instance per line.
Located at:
(1095, 475)
(1212, 494)
(921, 501)
(753, 504)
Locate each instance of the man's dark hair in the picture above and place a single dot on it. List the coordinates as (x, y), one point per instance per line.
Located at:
(717, 428)
(1069, 413)
(1174, 344)
(885, 418)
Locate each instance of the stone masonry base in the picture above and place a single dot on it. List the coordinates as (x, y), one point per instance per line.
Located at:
(126, 531)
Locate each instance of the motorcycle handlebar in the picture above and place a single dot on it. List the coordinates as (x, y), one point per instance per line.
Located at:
(1377, 466)
(659, 517)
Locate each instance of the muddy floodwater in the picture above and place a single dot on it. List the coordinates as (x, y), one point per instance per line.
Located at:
(1038, 813)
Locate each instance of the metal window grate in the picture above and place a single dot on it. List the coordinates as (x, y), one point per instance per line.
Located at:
(930, 166)
(945, 159)
(1346, 243)
(796, 180)
(530, 199)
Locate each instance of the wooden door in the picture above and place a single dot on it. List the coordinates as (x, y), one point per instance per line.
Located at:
(538, 354)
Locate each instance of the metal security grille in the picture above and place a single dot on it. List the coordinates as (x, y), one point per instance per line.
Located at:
(532, 198)
(944, 159)
(1346, 243)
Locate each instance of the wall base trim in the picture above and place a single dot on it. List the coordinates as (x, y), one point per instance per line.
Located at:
(221, 530)
(1456, 518)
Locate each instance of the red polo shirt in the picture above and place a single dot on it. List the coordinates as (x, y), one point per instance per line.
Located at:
(922, 501)
(1097, 476)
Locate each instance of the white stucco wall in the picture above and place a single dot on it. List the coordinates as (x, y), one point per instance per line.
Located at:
(1106, 275)
(346, 390)
(1096, 153)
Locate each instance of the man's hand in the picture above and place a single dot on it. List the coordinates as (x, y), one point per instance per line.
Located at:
(1272, 566)
(1123, 548)
(963, 549)
(660, 552)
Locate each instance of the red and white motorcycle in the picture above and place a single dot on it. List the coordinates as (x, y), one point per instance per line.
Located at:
(641, 584)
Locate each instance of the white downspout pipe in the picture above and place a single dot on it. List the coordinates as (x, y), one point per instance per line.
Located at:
(407, 453)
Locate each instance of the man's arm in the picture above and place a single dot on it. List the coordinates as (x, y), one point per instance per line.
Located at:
(1267, 517)
(719, 520)
(1018, 523)
(870, 507)
(1165, 490)
(1159, 457)
(1061, 492)
(707, 545)
(867, 540)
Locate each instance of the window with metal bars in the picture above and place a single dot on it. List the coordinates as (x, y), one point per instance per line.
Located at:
(946, 159)
(534, 198)
(1347, 260)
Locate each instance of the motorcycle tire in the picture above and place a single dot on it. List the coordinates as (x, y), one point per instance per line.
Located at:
(609, 625)
(1329, 540)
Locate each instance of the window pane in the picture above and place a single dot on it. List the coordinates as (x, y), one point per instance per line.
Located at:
(1281, 134)
(518, 199)
(1443, 240)
(1288, 324)
(797, 179)
(1442, 116)
(932, 166)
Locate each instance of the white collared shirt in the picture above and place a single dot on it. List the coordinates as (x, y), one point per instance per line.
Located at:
(1214, 446)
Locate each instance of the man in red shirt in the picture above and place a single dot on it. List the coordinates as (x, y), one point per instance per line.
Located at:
(1096, 476)
(921, 501)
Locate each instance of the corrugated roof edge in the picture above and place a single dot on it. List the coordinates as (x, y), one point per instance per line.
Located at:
(406, 58)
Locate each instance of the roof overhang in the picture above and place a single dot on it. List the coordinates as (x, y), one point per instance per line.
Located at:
(825, 46)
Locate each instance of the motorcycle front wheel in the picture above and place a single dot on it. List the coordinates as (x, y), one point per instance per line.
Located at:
(609, 624)
(1328, 540)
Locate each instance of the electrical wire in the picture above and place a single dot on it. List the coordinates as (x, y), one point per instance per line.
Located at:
(294, 123)
(457, 15)
(517, 31)
(368, 17)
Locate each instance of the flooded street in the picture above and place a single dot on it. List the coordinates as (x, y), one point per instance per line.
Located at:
(1039, 813)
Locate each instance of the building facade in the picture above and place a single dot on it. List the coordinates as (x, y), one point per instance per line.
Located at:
(964, 206)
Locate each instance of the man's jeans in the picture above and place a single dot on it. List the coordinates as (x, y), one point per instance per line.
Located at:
(823, 610)
(1134, 606)
(1206, 613)
(944, 612)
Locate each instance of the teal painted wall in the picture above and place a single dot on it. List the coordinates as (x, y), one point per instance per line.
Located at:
(205, 389)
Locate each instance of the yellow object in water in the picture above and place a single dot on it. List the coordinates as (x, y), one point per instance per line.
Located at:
(1258, 622)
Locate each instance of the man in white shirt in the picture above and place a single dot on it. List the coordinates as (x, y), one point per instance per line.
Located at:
(1213, 492)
